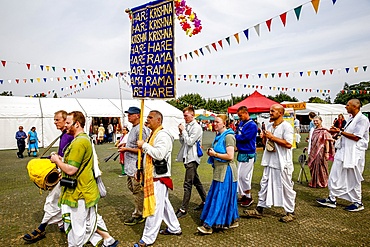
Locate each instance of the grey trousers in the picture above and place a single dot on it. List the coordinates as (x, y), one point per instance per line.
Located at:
(192, 178)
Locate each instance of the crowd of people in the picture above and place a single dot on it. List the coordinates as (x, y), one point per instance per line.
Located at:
(74, 209)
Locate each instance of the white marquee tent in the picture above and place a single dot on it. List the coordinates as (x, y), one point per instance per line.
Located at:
(39, 112)
(328, 112)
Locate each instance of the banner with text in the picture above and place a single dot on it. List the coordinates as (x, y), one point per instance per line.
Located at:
(152, 50)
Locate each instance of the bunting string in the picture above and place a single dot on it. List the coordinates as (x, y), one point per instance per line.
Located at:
(84, 79)
(253, 86)
(266, 75)
(212, 47)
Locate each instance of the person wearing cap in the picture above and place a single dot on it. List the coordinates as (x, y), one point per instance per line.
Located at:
(131, 151)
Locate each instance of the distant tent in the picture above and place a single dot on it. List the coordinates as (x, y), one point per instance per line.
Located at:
(255, 103)
(202, 117)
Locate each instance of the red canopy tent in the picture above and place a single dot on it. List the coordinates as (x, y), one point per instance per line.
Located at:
(255, 102)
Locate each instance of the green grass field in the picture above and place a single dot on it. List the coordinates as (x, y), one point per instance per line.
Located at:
(21, 210)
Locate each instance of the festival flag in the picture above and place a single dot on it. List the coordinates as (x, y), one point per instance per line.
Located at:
(237, 37)
(201, 51)
(297, 12)
(315, 5)
(246, 33)
(28, 66)
(3, 63)
(268, 23)
(227, 40)
(257, 28)
(283, 18)
(209, 49)
(214, 46)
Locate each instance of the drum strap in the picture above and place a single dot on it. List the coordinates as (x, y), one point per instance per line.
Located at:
(51, 144)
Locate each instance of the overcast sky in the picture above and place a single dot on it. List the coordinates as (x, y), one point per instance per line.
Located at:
(95, 35)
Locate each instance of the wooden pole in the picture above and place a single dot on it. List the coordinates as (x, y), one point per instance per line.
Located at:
(140, 133)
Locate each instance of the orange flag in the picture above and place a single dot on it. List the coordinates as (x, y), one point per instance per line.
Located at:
(315, 5)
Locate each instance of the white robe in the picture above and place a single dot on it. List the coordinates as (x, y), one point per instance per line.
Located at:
(276, 183)
(349, 161)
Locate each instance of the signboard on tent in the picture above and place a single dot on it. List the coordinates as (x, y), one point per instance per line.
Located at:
(152, 50)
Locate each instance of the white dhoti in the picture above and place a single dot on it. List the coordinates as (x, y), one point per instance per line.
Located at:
(277, 190)
(345, 183)
(245, 173)
(81, 223)
(163, 211)
(52, 212)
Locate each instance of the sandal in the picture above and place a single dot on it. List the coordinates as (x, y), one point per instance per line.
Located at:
(167, 232)
(35, 236)
(141, 243)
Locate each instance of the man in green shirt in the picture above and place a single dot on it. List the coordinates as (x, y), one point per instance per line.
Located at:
(78, 204)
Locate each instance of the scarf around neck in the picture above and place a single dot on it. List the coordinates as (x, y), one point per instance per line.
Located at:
(219, 145)
(149, 198)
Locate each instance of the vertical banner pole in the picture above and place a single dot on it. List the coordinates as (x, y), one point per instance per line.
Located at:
(140, 133)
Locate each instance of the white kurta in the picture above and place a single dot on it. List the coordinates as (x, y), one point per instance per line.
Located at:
(276, 183)
(346, 173)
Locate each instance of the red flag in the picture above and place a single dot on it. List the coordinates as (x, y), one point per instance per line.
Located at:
(64, 69)
(268, 23)
(220, 43)
(214, 46)
(28, 66)
(3, 62)
(283, 18)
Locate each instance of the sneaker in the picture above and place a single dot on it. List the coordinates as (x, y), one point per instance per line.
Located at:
(327, 202)
(181, 214)
(287, 218)
(247, 202)
(355, 207)
(253, 214)
(199, 207)
(134, 220)
(205, 230)
(122, 175)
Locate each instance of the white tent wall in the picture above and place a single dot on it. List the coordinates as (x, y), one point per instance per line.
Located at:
(366, 108)
(328, 112)
(172, 116)
(16, 111)
(39, 112)
(48, 107)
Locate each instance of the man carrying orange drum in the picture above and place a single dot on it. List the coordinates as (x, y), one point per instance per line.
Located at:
(52, 213)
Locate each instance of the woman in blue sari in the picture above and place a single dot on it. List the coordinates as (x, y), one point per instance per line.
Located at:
(33, 142)
(221, 208)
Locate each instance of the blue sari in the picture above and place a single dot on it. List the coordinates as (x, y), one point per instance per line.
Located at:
(221, 207)
(33, 147)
